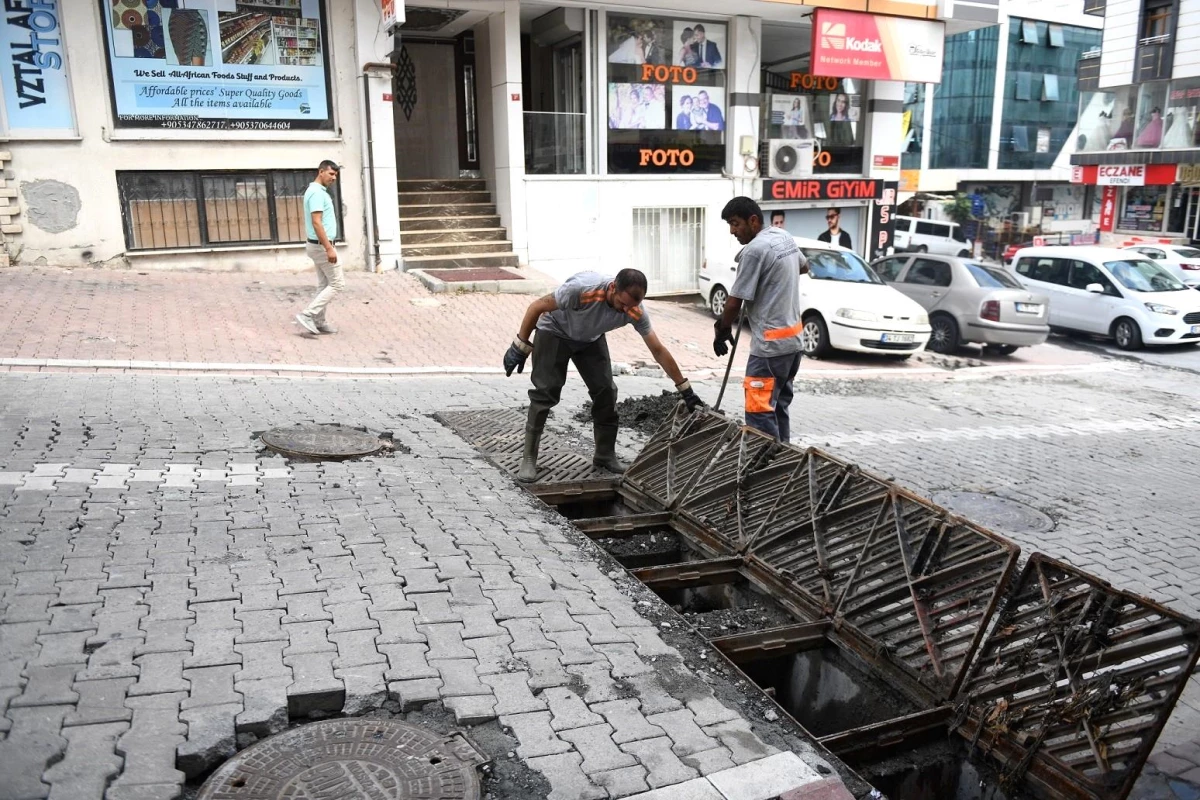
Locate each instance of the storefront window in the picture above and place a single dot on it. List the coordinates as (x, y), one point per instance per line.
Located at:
(826, 110)
(1144, 208)
(667, 104)
(1106, 120)
(1152, 97)
(1182, 115)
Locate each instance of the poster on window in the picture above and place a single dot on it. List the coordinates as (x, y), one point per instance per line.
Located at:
(637, 106)
(698, 44)
(699, 109)
(218, 64)
(37, 94)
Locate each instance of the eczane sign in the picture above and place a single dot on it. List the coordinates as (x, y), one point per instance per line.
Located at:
(1121, 175)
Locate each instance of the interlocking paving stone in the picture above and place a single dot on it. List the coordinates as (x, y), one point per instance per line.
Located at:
(569, 710)
(567, 780)
(534, 734)
(595, 744)
(100, 702)
(415, 693)
(512, 692)
(89, 763)
(33, 742)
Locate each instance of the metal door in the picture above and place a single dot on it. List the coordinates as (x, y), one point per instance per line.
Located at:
(668, 245)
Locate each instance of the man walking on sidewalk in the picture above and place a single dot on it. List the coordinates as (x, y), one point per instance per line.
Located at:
(321, 226)
(571, 326)
(769, 268)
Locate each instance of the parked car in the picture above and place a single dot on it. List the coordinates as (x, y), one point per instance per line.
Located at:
(1011, 251)
(969, 302)
(916, 235)
(1111, 292)
(844, 304)
(1181, 260)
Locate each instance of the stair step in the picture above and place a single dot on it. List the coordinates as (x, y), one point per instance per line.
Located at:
(443, 198)
(443, 185)
(452, 261)
(447, 223)
(454, 235)
(448, 210)
(454, 248)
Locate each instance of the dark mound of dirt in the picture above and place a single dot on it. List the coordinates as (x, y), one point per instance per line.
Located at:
(642, 414)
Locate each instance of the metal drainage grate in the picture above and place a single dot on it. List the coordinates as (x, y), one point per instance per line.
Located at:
(499, 433)
(322, 441)
(350, 758)
(1076, 681)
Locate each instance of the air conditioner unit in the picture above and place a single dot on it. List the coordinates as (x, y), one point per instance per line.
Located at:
(790, 158)
(557, 26)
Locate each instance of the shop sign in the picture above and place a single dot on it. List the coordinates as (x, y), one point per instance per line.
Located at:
(219, 65)
(817, 83)
(1108, 209)
(37, 96)
(661, 73)
(1077, 174)
(848, 44)
(1121, 175)
(1188, 174)
(910, 180)
(883, 221)
(669, 157)
(885, 162)
(845, 189)
(393, 13)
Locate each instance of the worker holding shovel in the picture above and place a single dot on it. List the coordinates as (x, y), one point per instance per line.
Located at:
(571, 326)
(767, 284)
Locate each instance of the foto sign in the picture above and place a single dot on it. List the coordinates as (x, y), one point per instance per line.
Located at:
(1121, 175)
(849, 44)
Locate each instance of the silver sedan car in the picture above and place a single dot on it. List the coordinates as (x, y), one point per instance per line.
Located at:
(969, 302)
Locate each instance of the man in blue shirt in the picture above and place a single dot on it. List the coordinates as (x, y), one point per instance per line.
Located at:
(321, 228)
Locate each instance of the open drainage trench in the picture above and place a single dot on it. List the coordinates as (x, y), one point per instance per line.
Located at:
(828, 691)
(899, 635)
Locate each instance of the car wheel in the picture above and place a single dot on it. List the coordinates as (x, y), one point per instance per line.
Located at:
(814, 338)
(716, 300)
(1001, 349)
(1128, 334)
(964, 253)
(944, 336)
(921, 249)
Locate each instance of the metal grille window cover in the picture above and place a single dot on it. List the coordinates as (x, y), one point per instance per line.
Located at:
(668, 245)
(179, 210)
(500, 434)
(908, 575)
(1076, 681)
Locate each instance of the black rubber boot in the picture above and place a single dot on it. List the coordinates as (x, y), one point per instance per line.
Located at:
(533, 438)
(605, 456)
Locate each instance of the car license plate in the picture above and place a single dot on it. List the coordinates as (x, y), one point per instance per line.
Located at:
(898, 338)
(1029, 308)
(1196, 329)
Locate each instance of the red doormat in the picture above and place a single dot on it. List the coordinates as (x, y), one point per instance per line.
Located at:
(478, 274)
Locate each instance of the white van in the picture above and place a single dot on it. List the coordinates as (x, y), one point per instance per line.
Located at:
(1115, 293)
(915, 235)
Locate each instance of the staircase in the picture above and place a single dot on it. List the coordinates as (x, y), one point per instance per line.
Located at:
(447, 224)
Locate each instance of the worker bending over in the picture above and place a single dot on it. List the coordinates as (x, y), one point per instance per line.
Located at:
(571, 326)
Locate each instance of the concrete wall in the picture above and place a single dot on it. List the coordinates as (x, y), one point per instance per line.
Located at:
(587, 222)
(1187, 54)
(86, 167)
(1119, 46)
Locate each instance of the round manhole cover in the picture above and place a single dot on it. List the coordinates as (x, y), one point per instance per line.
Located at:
(995, 512)
(322, 441)
(341, 758)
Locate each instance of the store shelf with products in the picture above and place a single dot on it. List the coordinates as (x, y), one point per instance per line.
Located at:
(233, 35)
(298, 42)
(249, 49)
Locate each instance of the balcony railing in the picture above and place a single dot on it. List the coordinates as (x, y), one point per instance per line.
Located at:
(1155, 55)
(555, 143)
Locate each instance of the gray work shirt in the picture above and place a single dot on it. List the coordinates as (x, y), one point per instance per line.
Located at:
(768, 281)
(583, 315)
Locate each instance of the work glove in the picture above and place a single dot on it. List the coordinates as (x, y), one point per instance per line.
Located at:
(724, 337)
(689, 397)
(518, 351)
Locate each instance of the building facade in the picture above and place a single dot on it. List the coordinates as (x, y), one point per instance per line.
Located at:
(486, 132)
(1139, 116)
(1002, 124)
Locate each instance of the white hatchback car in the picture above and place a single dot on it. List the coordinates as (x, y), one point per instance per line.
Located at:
(1182, 261)
(1110, 292)
(844, 304)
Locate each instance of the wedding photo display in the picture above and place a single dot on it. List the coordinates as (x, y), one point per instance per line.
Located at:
(679, 105)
